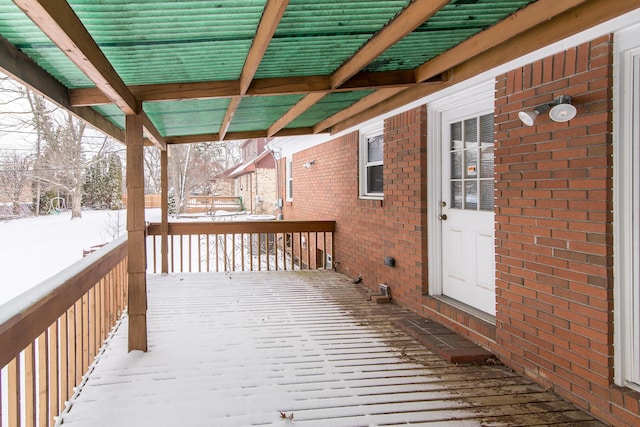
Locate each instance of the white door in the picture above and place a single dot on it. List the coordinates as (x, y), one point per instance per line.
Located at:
(467, 209)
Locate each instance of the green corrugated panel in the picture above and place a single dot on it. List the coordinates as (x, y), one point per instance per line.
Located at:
(16, 27)
(260, 112)
(316, 37)
(113, 113)
(193, 62)
(168, 41)
(187, 117)
(327, 107)
(455, 23)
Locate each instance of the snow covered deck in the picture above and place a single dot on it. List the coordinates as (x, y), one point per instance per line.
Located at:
(292, 349)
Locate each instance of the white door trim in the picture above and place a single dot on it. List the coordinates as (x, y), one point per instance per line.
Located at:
(626, 206)
(481, 94)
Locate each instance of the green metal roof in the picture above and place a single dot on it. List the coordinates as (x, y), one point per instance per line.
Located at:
(174, 42)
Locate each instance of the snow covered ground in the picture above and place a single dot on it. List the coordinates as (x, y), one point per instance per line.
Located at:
(33, 249)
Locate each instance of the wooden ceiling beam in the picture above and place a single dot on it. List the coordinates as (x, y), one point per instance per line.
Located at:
(152, 133)
(360, 106)
(59, 22)
(303, 105)
(273, 11)
(410, 18)
(236, 136)
(276, 86)
(532, 15)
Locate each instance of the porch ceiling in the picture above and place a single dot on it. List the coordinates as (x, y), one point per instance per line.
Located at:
(205, 70)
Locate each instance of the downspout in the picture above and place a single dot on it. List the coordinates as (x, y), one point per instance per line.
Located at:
(276, 159)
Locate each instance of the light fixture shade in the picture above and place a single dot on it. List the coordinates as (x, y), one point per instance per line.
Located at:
(528, 117)
(563, 112)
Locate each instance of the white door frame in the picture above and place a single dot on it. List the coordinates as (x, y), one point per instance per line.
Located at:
(481, 94)
(626, 206)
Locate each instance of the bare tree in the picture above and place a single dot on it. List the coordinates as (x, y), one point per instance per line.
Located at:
(192, 167)
(15, 174)
(151, 170)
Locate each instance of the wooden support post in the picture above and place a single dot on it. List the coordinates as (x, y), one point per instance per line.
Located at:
(137, 296)
(164, 203)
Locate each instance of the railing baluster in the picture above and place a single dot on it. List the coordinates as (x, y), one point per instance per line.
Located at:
(250, 240)
(54, 372)
(199, 243)
(259, 257)
(43, 379)
(30, 385)
(63, 334)
(13, 398)
(275, 249)
(154, 249)
(217, 253)
(225, 251)
(242, 249)
(71, 349)
(308, 251)
(266, 245)
(171, 254)
(208, 269)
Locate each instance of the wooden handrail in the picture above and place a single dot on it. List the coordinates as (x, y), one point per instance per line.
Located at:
(24, 318)
(229, 227)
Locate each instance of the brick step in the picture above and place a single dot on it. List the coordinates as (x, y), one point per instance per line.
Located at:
(444, 342)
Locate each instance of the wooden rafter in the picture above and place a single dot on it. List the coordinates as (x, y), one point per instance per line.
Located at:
(360, 106)
(414, 15)
(152, 133)
(295, 111)
(273, 11)
(236, 136)
(60, 23)
(275, 86)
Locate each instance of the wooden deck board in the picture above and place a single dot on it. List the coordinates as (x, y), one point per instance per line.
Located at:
(243, 350)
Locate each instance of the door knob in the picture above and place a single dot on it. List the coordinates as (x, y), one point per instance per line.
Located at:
(442, 217)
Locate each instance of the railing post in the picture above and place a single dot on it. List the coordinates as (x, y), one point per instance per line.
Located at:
(137, 295)
(164, 203)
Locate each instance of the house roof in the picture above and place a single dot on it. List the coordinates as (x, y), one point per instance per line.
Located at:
(250, 165)
(206, 70)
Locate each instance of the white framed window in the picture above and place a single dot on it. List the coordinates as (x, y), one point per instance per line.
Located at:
(626, 190)
(289, 179)
(371, 162)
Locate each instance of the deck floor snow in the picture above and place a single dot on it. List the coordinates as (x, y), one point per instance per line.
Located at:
(251, 348)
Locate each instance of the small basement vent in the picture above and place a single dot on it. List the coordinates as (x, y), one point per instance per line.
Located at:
(384, 290)
(328, 264)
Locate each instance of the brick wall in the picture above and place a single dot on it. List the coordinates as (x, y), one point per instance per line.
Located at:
(369, 230)
(554, 231)
(554, 256)
(262, 184)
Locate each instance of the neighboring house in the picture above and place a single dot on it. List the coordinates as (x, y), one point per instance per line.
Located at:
(255, 178)
(523, 238)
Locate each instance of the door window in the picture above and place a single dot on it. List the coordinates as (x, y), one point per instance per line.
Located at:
(472, 159)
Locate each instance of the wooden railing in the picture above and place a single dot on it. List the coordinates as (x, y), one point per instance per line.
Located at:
(50, 335)
(242, 246)
(210, 204)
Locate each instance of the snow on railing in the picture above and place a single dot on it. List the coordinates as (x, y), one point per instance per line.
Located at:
(242, 246)
(50, 335)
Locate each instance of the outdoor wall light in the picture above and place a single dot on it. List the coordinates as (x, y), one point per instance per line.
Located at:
(309, 164)
(561, 111)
